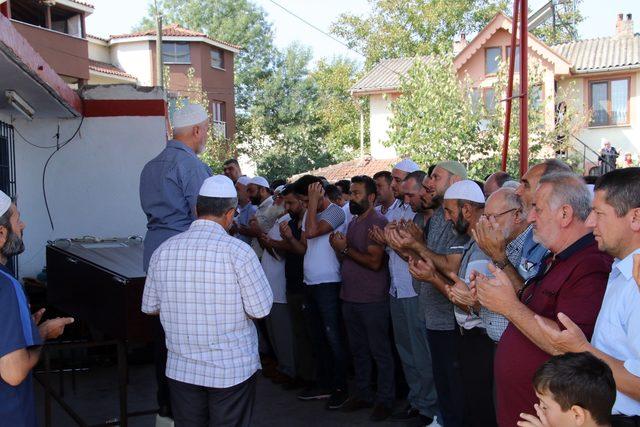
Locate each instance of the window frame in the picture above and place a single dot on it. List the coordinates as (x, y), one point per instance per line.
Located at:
(484, 99)
(608, 81)
(175, 43)
(486, 50)
(221, 51)
(516, 68)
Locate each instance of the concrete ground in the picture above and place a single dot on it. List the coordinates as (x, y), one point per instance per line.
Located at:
(96, 400)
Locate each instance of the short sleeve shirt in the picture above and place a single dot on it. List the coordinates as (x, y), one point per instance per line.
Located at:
(441, 239)
(321, 264)
(293, 267)
(359, 283)
(574, 284)
(274, 266)
(17, 403)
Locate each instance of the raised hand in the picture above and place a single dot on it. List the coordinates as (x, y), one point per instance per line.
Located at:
(413, 230)
(538, 420)
(285, 231)
(497, 293)
(377, 235)
(421, 269)
(37, 316)
(490, 239)
(316, 191)
(338, 241)
(53, 328)
(460, 293)
(569, 340)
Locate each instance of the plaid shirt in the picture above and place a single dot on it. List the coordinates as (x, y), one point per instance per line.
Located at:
(207, 286)
(514, 247)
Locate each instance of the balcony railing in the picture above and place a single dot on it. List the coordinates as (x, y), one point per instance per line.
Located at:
(220, 129)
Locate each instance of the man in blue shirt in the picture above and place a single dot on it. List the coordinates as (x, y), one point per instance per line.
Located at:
(20, 338)
(169, 186)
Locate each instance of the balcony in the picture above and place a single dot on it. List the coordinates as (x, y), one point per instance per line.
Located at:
(68, 55)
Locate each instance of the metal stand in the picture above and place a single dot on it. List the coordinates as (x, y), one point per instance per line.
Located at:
(123, 379)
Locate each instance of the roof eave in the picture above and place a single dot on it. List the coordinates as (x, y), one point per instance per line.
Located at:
(378, 91)
(195, 39)
(606, 70)
(130, 79)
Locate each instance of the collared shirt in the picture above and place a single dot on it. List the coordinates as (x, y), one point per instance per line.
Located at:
(207, 286)
(441, 239)
(401, 280)
(474, 259)
(573, 282)
(169, 187)
(532, 255)
(17, 403)
(244, 215)
(265, 222)
(274, 265)
(321, 264)
(515, 247)
(617, 331)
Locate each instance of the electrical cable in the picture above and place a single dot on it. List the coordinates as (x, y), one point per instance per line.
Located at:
(46, 164)
(45, 147)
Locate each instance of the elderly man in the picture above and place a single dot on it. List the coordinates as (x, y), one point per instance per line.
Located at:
(572, 281)
(207, 286)
(365, 301)
(444, 247)
(494, 182)
(231, 169)
(21, 336)
(616, 338)
(169, 187)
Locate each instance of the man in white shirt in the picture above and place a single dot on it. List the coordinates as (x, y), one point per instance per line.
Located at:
(323, 282)
(207, 286)
(616, 337)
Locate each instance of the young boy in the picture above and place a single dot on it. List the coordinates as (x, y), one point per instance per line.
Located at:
(575, 389)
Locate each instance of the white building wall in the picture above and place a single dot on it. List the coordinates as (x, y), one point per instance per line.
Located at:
(134, 58)
(92, 184)
(379, 117)
(99, 52)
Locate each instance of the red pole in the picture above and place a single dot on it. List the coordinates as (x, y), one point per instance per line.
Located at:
(524, 95)
(512, 57)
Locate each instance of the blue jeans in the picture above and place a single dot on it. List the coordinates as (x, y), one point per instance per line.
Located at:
(327, 337)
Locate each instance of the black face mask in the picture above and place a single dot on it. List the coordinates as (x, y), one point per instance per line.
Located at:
(358, 209)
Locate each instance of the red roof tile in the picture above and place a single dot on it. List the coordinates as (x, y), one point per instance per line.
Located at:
(173, 30)
(103, 67)
(346, 170)
(84, 3)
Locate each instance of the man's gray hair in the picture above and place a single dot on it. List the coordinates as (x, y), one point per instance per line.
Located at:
(511, 199)
(553, 166)
(569, 189)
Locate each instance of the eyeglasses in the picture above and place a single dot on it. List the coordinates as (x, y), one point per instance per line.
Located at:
(494, 216)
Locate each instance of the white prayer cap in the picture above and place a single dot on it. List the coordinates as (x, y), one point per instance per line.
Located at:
(244, 180)
(465, 190)
(218, 186)
(407, 165)
(189, 115)
(259, 181)
(279, 189)
(5, 203)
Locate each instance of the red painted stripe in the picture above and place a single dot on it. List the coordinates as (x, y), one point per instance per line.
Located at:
(123, 107)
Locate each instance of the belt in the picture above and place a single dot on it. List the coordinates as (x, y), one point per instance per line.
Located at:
(625, 421)
(472, 331)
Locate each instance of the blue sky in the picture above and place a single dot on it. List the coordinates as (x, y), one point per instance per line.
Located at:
(109, 19)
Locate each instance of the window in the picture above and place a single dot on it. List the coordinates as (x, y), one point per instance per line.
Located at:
(475, 99)
(489, 100)
(217, 58)
(535, 96)
(517, 61)
(609, 102)
(176, 53)
(219, 122)
(492, 57)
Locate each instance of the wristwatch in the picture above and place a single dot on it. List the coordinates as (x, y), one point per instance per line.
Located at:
(344, 251)
(500, 264)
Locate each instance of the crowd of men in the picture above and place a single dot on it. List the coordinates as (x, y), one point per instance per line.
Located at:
(506, 302)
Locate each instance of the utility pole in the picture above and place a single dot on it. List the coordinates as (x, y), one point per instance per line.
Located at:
(159, 63)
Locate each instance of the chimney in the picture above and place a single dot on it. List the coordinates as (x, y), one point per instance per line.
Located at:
(624, 27)
(461, 44)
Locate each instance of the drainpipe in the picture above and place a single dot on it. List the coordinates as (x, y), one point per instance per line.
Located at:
(159, 64)
(361, 131)
(524, 83)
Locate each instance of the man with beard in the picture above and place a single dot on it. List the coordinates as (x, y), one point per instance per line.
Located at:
(323, 282)
(365, 301)
(444, 246)
(573, 282)
(246, 210)
(169, 187)
(206, 287)
(259, 194)
(21, 337)
(385, 197)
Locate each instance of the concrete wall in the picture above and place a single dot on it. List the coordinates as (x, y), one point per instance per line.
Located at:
(379, 116)
(626, 138)
(99, 52)
(134, 58)
(92, 184)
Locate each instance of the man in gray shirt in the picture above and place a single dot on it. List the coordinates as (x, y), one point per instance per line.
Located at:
(169, 186)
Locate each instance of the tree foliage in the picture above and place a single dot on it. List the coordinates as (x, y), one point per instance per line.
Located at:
(567, 18)
(401, 28)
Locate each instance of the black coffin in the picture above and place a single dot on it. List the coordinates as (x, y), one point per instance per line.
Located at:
(100, 283)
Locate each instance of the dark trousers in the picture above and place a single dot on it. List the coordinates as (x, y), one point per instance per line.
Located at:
(444, 347)
(303, 352)
(368, 332)
(476, 368)
(324, 322)
(160, 359)
(198, 406)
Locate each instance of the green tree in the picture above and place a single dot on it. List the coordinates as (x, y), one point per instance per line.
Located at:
(567, 18)
(337, 111)
(400, 28)
(240, 22)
